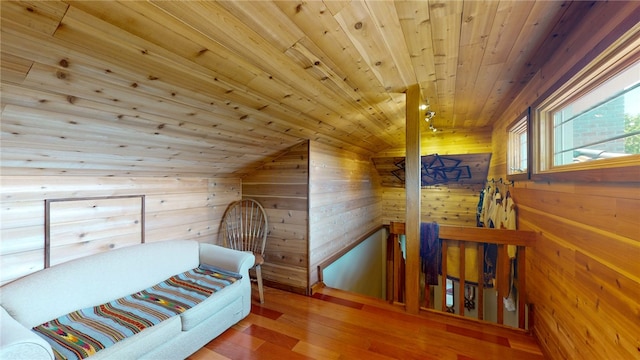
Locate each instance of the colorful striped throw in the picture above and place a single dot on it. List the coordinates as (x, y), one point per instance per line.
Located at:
(84, 332)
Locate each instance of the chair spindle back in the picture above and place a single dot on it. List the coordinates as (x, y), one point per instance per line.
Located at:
(245, 226)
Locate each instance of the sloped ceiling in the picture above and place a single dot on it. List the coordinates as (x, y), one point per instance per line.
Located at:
(190, 88)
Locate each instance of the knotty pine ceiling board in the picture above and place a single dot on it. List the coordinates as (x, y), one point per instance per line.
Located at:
(215, 89)
(475, 28)
(44, 16)
(334, 48)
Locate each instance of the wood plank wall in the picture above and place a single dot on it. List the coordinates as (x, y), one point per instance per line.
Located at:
(445, 204)
(281, 186)
(176, 208)
(583, 275)
(344, 202)
(450, 205)
(78, 227)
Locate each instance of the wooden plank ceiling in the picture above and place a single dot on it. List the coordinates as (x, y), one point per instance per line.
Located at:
(171, 88)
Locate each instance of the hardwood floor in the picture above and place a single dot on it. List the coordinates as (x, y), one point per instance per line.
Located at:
(334, 324)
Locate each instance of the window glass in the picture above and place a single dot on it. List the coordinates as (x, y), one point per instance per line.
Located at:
(602, 123)
(518, 148)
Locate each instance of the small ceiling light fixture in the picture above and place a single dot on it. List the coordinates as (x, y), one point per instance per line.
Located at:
(428, 116)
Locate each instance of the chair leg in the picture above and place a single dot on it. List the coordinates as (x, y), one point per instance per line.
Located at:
(259, 278)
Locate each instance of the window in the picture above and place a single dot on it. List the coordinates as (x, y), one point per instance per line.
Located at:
(604, 123)
(518, 148)
(593, 121)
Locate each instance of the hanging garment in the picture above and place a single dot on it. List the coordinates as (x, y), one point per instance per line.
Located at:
(498, 208)
(430, 251)
(479, 208)
(486, 203)
(471, 274)
(509, 302)
(492, 214)
(490, 261)
(508, 221)
(470, 262)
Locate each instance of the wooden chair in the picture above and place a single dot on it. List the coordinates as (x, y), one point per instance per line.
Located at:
(244, 228)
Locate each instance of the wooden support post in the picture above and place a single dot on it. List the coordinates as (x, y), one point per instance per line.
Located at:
(502, 275)
(429, 295)
(462, 279)
(398, 278)
(444, 274)
(412, 188)
(391, 241)
(480, 281)
(396, 286)
(522, 287)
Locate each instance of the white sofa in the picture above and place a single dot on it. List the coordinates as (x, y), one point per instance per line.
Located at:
(94, 280)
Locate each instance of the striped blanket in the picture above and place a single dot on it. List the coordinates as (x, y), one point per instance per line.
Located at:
(84, 332)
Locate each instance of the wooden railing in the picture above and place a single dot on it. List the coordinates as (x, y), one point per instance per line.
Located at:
(460, 236)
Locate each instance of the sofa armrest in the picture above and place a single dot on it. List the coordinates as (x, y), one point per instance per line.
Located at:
(228, 259)
(18, 342)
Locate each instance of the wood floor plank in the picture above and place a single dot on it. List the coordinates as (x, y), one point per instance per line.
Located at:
(226, 349)
(339, 301)
(207, 354)
(500, 340)
(305, 348)
(334, 324)
(322, 336)
(270, 351)
(399, 352)
(271, 336)
(437, 319)
(268, 313)
(239, 338)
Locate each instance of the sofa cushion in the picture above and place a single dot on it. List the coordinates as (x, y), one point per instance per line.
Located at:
(138, 346)
(194, 316)
(85, 332)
